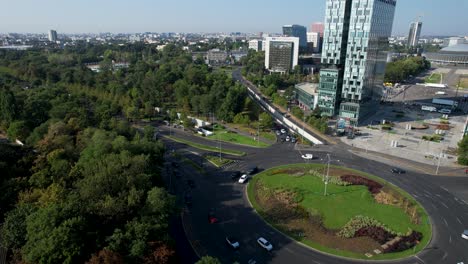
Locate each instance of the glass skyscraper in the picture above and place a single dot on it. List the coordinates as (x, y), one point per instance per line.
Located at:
(355, 46)
(298, 32)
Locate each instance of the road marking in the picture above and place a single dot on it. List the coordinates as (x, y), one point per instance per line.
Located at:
(450, 240)
(458, 219)
(444, 205)
(445, 222)
(444, 188)
(420, 259)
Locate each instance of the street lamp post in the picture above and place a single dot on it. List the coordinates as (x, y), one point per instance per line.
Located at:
(328, 172)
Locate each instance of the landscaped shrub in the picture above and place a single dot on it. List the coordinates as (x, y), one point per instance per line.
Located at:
(373, 186)
(359, 222)
(405, 243)
(377, 233)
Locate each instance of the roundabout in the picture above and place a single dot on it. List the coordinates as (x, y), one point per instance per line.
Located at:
(349, 213)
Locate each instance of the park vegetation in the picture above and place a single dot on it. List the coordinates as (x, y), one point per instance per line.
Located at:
(402, 69)
(86, 185)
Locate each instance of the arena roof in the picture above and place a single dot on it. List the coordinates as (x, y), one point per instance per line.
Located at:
(456, 48)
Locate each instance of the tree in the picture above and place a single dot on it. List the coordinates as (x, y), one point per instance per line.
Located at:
(7, 107)
(266, 121)
(297, 112)
(208, 260)
(463, 151)
(18, 130)
(106, 256)
(13, 233)
(161, 253)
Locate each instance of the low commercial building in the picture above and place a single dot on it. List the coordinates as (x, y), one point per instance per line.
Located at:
(306, 95)
(216, 56)
(256, 45)
(451, 55)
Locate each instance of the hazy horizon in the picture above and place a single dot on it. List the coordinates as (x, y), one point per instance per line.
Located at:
(209, 16)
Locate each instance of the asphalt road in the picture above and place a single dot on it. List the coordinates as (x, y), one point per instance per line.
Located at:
(445, 199)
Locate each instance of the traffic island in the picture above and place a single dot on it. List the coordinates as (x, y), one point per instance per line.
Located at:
(349, 213)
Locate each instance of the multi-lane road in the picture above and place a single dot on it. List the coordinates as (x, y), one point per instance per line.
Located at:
(444, 198)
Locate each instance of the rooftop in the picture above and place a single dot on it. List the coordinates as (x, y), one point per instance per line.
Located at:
(456, 48)
(310, 88)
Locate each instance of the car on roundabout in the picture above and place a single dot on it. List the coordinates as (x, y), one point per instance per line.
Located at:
(398, 171)
(244, 178)
(465, 234)
(231, 241)
(308, 156)
(264, 243)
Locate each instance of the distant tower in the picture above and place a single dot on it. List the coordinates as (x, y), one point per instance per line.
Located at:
(318, 27)
(414, 34)
(298, 32)
(52, 35)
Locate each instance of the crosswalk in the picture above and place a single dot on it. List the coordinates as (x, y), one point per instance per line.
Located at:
(234, 163)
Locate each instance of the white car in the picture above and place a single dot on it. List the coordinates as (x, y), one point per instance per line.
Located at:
(264, 244)
(465, 234)
(288, 138)
(243, 178)
(283, 131)
(445, 111)
(308, 156)
(440, 93)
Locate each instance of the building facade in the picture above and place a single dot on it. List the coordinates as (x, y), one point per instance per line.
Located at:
(306, 95)
(356, 37)
(52, 35)
(256, 45)
(281, 53)
(318, 27)
(414, 34)
(216, 57)
(314, 41)
(298, 32)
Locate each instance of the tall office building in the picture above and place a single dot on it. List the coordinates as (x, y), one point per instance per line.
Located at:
(414, 34)
(354, 51)
(298, 32)
(52, 35)
(318, 27)
(281, 53)
(314, 41)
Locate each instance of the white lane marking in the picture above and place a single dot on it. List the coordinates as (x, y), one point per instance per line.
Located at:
(444, 205)
(445, 222)
(458, 219)
(420, 259)
(450, 240)
(445, 189)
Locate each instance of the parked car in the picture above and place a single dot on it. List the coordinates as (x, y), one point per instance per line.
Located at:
(293, 140)
(244, 178)
(235, 175)
(278, 133)
(398, 171)
(283, 131)
(440, 93)
(308, 156)
(465, 234)
(252, 170)
(445, 111)
(232, 242)
(265, 244)
(288, 138)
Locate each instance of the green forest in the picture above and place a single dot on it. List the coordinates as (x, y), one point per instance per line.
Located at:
(86, 185)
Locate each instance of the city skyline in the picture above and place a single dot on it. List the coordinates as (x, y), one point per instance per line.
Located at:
(29, 16)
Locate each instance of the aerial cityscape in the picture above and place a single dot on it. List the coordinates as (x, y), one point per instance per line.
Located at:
(330, 131)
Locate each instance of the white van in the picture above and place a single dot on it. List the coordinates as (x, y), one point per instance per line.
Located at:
(428, 108)
(441, 93)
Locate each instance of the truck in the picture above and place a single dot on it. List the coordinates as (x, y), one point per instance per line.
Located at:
(436, 85)
(445, 102)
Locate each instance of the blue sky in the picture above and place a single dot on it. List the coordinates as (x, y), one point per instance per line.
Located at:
(447, 17)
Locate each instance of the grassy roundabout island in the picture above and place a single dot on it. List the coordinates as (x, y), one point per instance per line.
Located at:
(361, 217)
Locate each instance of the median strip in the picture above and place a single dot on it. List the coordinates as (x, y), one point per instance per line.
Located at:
(207, 148)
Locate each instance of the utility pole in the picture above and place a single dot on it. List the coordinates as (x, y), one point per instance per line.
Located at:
(328, 171)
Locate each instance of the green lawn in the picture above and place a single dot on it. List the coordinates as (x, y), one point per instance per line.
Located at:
(234, 138)
(340, 205)
(434, 78)
(205, 147)
(218, 162)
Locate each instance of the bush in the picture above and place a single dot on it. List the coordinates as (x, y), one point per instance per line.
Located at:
(373, 186)
(405, 243)
(359, 222)
(377, 233)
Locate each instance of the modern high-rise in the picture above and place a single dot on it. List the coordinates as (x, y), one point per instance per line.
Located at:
(354, 53)
(52, 35)
(298, 32)
(281, 53)
(414, 34)
(314, 41)
(318, 27)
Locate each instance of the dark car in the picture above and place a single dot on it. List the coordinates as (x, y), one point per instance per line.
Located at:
(188, 199)
(398, 171)
(252, 170)
(191, 183)
(235, 175)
